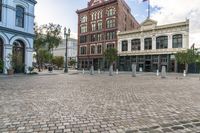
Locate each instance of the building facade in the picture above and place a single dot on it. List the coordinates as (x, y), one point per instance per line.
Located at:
(17, 33)
(71, 49)
(152, 46)
(97, 29)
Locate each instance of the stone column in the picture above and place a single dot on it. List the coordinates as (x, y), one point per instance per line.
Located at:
(170, 45)
(154, 43)
(129, 45)
(7, 51)
(28, 58)
(142, 44)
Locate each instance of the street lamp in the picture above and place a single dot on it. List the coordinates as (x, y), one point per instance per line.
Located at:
(66, 35)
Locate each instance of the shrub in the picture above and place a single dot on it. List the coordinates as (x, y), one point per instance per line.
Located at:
(58, 61)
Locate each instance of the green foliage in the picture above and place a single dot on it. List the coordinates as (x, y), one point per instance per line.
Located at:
(1, 65)
(111, 55)
(72, 62)
(186, 57)
(58, 61)
(53, 38)
(47, 37)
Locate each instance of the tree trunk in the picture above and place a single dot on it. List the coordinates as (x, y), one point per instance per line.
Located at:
(186, 68)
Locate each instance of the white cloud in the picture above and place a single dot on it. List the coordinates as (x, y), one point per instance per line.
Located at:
(171, 11)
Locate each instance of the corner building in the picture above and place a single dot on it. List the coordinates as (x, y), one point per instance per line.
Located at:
(17, 33)
(152, 46)
(98, 25)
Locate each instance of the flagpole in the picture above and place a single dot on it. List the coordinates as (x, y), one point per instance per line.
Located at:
(148, 8)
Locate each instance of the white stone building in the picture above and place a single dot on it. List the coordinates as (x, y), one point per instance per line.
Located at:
(71, 49)
(151, 46)
(17, 32)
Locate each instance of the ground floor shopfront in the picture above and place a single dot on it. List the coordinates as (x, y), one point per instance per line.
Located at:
(150, 63)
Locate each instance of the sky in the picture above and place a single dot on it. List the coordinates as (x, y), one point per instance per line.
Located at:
(63, 12)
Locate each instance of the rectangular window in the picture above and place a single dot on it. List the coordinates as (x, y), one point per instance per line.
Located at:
(83, 28)
(110, 45)
(93, 27)
(92, 49)
(99, 49)
(124, 45)
(1, 6)
(83, 39)
(110, 23)
(93, 38)
(83, 50)
(99, 37)
(99, 26)
(110, 35)
(135, 44)
(19, 16)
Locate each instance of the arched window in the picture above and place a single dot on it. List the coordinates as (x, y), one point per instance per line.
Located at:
(147, 43)
(135, 44)
(177, 41)
(111, 12)
(1, 48)
(162, 42)
(100, 14)
(19, 56)
(125, 45)
(1, 10)
(20, 16)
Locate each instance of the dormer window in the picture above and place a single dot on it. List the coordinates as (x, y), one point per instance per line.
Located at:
(19, 16)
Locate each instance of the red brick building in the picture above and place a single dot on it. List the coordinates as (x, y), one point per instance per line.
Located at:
(98, 25)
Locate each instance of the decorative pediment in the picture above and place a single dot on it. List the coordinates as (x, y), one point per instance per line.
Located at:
(148, 24)
(95, 2)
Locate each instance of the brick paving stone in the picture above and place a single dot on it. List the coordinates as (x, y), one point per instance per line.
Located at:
(99, 103)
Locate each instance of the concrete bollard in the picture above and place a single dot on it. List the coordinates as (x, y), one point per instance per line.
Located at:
(184, 73)
(140, 69)
(111, 70)
(92, 70)
(117, 72)
(99, 71)
(133, 70)
(163, 73)
(157, 73)
(83, 71)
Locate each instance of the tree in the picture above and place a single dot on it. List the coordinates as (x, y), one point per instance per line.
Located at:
(53, 35)
(47, 37)
(1, 65)
(39, 43)
(111, 56)
(186, 57)
(58, 61)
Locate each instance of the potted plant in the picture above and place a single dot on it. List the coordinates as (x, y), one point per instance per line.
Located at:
(10, 70)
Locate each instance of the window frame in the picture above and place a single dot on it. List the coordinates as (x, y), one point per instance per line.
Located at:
(20, 18)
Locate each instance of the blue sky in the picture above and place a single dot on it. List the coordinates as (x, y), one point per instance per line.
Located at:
(63, 12)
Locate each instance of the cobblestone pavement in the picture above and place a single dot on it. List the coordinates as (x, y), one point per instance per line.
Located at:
(99, 103)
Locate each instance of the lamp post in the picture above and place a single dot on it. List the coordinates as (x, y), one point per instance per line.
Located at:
(66, 35)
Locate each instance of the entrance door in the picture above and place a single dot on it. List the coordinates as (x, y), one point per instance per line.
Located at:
(18, 56)
(147, 66)
(1, 55)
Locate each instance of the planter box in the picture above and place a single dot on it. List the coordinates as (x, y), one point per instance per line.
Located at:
(10, 71)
